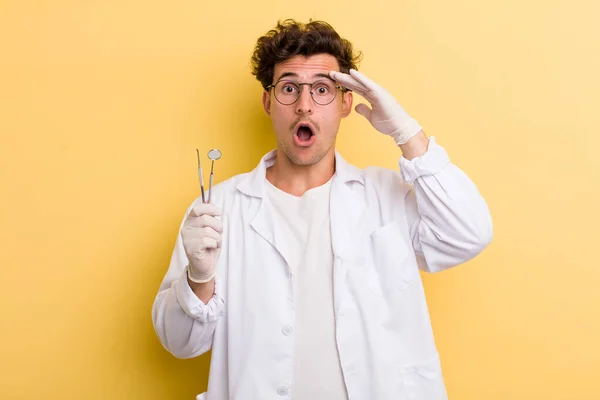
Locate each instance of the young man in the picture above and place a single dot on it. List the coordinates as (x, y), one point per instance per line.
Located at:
(303, 275)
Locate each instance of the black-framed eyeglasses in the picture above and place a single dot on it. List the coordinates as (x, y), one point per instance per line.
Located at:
(322, 91)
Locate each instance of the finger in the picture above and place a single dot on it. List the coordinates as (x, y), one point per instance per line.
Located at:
(349, 79)
(197, 241)
(205, 208)
(363, 80)
(348, 82)
(208, 243)
(189, 233)
(204, 221)
(364, 110)
(201, 251)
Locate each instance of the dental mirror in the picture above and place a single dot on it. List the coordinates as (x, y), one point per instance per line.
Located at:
(214, 155)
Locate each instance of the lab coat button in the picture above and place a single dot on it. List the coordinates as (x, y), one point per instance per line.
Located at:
(287, 330)
(282, 391)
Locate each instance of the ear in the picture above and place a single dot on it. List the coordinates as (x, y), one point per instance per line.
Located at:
(266, 100)
(347, 99)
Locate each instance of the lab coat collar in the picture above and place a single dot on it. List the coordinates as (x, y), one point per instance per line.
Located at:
(253, 184)
(347, 209)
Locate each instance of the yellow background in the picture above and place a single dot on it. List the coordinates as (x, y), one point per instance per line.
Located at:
(102, 104)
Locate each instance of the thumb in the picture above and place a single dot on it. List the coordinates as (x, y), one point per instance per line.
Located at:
(364, 110)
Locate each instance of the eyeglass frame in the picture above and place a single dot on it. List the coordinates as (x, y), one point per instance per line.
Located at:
(300, 84)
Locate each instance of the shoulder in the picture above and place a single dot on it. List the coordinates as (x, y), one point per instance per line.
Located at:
(372, 178)
(385, 181)
(228, 187)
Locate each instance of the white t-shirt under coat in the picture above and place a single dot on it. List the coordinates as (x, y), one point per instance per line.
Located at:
(305, 222)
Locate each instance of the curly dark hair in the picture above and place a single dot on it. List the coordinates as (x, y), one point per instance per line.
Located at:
(291, 38)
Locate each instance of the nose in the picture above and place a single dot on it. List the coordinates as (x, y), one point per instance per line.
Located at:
(305, 104)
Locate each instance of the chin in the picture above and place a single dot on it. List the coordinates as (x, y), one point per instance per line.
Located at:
(302, 159)
(306, 158)
(304, 162)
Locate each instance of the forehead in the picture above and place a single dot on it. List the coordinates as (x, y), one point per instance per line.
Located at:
(306, 67)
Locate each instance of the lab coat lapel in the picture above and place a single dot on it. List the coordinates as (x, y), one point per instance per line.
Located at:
(264, 222)
(347, 207)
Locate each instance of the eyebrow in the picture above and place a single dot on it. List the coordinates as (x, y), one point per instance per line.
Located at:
(295, 75)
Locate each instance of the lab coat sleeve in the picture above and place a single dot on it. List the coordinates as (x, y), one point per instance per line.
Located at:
(449, 220)
(184, 324)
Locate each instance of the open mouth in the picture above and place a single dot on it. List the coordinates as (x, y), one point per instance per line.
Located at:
(304, 133)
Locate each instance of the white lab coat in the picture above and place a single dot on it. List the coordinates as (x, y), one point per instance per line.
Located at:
(385, 225)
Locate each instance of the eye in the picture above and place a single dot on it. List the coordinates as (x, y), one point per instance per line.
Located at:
(289, 88)
(322, 89)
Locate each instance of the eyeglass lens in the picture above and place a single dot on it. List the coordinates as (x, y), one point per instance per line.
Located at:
(323, 92)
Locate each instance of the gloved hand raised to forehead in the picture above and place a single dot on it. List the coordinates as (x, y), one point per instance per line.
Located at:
(385, 114)
(201, 235)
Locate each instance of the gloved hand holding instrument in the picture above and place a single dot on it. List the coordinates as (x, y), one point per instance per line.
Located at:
(201, 232)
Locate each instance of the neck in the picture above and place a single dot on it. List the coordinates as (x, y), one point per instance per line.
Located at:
(297, 179)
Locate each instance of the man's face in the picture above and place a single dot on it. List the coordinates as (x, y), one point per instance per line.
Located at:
(306, 130)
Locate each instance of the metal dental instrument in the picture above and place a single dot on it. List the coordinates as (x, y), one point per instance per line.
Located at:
(201, 177)
(214, 155)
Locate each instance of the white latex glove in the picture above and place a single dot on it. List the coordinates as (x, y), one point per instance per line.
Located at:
(386, 115)
(201, 235)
